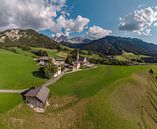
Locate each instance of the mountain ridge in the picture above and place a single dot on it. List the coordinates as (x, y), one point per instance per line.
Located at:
(109, 45)
(112, 45)
(28, 37)
(72, 40)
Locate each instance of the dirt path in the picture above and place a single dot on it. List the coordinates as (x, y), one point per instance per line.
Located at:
(12, 91)
(54, 80)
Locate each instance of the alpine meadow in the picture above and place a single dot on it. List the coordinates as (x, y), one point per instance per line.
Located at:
(78, 64)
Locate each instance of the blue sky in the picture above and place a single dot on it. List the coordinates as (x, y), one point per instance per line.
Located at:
(88, 18)
(106, 13)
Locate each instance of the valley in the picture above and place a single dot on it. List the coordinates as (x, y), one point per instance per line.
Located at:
(78, 64)
(103, 97)
(107, 97)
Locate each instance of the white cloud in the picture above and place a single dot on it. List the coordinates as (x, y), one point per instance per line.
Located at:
(79, 24)
(70, 25)
(140, 21)
(44, 14)
(96, 32)
(34, 14)
(39, 14)
(155, 24)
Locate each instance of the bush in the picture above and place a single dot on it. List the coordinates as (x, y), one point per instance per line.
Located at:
(151, 71)
(49, 70)
(72, 57)
(25, 48)
(39, 52)
(11, 50)
(69, 60)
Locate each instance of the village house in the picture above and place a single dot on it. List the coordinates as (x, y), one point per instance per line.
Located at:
(43, 60)
(37, 98)
(59, 71)
(83, 60)
(76, 66)
(59, 61)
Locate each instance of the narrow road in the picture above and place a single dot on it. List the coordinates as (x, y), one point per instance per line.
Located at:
(12, 91)
(48, 83)
(54, 80)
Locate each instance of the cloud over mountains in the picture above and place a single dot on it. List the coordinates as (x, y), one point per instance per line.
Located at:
(41, 14)
(140, 21)
(98, 32)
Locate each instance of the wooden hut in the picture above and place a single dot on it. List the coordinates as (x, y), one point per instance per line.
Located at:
(37, 98)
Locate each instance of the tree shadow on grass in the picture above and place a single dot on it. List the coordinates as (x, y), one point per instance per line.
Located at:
(39, 74)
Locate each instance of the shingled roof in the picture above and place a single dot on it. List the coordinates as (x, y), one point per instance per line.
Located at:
(44, 58)
(81, 58)
(40, 92)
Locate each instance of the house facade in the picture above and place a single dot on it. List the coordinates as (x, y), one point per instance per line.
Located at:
(43, 60)
(59, 71)
(59, 61)
(76, 66)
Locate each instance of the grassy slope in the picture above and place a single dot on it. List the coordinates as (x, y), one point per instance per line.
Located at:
(88, 83)
(53, 52)
(104, 79)
(24, 53)
(16, 71)
(9, 101)
(108, 97)
(128, 56)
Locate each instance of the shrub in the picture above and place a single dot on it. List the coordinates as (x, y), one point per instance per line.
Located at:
(49, 70)
(25, 48)
(151, 71)
(39, 52)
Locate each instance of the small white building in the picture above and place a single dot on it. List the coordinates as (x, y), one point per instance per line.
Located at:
(59, 71)
(43, 60)
(76, 66)
(58, 61)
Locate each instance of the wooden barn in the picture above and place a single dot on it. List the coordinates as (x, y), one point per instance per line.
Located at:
(37, 98)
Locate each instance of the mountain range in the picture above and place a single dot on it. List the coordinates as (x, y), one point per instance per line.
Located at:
(112, 45)
(73, 40)
(109, 45)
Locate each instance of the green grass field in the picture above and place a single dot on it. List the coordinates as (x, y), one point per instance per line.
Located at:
(9, 101)
(21, 52)
(128, 56)
(113, 93)
(107, 97)
(53, 52)
(16, 71)
(79, 85)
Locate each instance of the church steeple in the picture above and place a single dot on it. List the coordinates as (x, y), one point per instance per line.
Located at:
(77, 55)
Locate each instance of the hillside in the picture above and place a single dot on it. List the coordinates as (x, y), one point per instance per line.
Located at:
(16, 37)
(111, 45)
(116, 97)
(16, 70)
